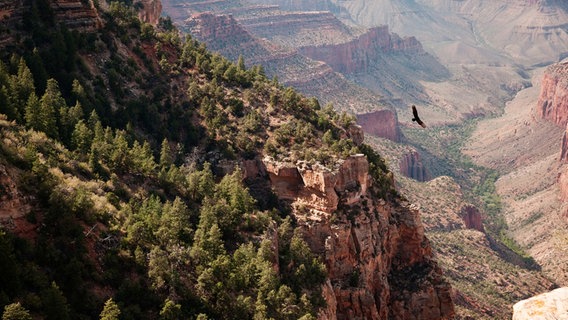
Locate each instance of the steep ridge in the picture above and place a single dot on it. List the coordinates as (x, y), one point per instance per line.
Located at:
(369, 276)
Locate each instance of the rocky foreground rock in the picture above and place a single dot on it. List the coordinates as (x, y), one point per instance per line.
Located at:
(549, 305)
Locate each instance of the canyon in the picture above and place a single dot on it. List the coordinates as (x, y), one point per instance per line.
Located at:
(458, 60)
(421, 255)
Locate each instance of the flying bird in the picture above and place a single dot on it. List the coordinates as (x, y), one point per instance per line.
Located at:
(416, 118)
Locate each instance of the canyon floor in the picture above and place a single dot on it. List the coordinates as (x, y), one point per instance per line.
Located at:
(526, 151)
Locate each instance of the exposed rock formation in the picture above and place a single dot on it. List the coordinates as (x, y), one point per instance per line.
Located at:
(381, 123)
(472, 218)
(552, 103)
(564, 147)
(357, 54)
(76, 15)
(411, 166)
(150, 11)
(224, 34)
(549, 305)
(295, 29)
(563, 184)
(379, 262)
(317, 188)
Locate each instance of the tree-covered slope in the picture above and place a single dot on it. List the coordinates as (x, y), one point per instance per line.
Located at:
(120, 188)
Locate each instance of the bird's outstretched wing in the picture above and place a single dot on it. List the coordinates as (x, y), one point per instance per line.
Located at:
(416, 118)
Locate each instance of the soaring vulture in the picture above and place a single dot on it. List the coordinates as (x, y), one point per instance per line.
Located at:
(416, 118)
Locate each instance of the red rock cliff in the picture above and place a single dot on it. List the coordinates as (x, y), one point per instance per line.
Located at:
(356, 55)
(381, 123)
(150, 11)
(378, 260)
(411, 166)
(552, 103)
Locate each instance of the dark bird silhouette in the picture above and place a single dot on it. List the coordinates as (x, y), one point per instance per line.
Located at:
(416, 118)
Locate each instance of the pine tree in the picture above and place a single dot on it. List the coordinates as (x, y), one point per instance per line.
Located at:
(81, 137)
(170, 311)
(15, 311)
(241, 63)
(22, 87)
(166, 156)
(54, 303)
(32, 113)
(111, 311)
(51, 102)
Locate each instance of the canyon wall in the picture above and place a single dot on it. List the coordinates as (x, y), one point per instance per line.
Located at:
(411, 166)
(150, 11)
(356, 55)
(381, 123)
(379, 262)
(472, 218)
(225, 35)
(552, 105)
(552, 102)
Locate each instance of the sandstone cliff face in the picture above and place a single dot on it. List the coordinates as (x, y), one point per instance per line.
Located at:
(411, 166)
(549, 305)
(472, 218)
(379, 262)
(552, 103)
(150, 11)
(356, 55)
(381, 123)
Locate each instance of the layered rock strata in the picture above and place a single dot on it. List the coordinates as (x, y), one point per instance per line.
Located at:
(76, 15)
(411, 166)
(552, 103)
(380, 265)
(356, 55)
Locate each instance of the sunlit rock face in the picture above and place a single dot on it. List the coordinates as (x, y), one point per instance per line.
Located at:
(549, 305)
(552, 103)
(379, 262)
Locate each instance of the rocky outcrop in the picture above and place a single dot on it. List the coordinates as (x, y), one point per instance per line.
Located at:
(381, 123)
(552, 103)
(77, 15)
(563, 184)
(549, 305)
(472, 218)
(411, 166)
(317, 188)
(358, 54)
(378, 260)
(150, 11)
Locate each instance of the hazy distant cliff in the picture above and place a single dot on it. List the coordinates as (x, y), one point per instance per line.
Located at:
(357, 54)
